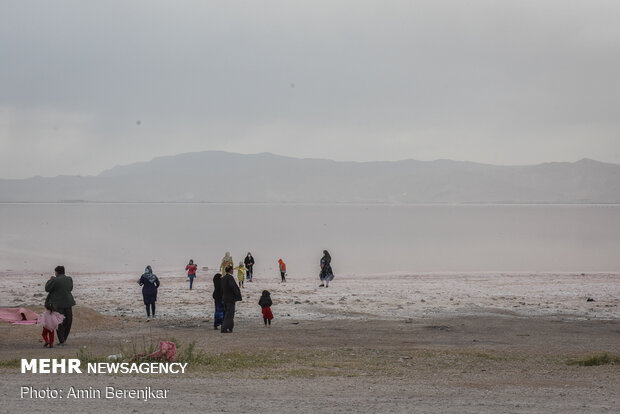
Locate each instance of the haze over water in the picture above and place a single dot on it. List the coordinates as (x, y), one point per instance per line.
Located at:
(361, 238)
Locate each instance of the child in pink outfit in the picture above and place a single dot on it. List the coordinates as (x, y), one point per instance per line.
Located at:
(50, 321)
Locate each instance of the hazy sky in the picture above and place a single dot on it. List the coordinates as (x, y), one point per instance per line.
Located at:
(88, 85)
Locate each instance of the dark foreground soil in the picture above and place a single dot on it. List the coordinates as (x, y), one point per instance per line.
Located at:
(489, 363)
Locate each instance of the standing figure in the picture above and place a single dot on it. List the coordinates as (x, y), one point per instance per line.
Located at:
(150, 284)
(226, 261)
(265, 304)
(240, 273)
(230, 294)
(50, 321)
(191, 272)
(282, 270)
(249, 264)
(218, 317)
(327, 274)
(59, 295)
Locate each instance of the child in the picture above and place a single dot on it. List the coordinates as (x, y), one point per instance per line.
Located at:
(50, 321)
(265, 304)
(282, 270)
(241, 273)
(191, 272)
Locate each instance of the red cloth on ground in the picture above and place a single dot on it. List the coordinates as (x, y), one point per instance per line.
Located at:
(19, 316)
(167, 350)
(267, 313)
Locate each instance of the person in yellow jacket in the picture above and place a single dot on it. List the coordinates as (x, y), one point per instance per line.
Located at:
(226, 261)
(241, 270)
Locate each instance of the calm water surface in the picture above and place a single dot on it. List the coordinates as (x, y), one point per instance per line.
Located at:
(361, 238)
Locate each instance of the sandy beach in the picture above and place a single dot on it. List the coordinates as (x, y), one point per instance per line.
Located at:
(368, 343)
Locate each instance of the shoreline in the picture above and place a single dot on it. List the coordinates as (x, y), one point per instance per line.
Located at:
(363, 297)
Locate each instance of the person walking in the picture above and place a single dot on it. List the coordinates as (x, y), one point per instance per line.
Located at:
(265, 304)
(191, 269)
(218, 316)
(282, 266)
(249, 265)
(226, 261)
(230, 294)
(150, 284)
(241, 273)
(327, 274)
(59, 295)
(49, 320)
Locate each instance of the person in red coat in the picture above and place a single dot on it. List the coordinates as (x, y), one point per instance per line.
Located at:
(265, 304)
(191, 272)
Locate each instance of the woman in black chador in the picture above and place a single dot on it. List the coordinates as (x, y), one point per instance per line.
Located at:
(327, 274)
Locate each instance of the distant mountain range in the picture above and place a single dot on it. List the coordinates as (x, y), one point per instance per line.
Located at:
(215, 176)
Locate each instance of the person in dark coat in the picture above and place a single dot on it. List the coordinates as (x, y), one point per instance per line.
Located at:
(265, 303)
(150, 284)
(327, 274)
(249, 263)
(230, 294)
(218, 317)
(59, 295)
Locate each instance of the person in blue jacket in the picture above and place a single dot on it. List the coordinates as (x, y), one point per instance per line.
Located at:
(218, 317)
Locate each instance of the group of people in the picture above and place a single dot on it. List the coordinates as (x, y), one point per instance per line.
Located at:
(226, 292)
(58, 315)
(59, 302)
(225, 295)
(245, 267)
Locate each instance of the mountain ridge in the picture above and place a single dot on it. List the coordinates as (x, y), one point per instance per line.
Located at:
(218, 176)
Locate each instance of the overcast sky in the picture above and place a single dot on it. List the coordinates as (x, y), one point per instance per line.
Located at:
(88, 85)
